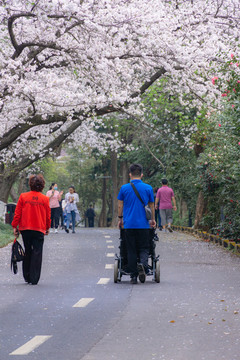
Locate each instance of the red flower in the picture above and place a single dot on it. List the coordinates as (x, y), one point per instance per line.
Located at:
(214, 79)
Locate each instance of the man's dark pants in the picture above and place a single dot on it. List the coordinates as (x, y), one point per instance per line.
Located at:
(137, 241)
(90, 221)
(32, 263)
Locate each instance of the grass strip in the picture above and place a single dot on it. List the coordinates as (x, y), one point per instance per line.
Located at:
(6, 234)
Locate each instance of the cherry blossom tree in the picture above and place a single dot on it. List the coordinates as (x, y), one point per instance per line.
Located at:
(65, 62)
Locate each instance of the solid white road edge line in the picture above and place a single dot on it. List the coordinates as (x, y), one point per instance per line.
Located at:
(83, 302)
(103, 281)
(31, 345)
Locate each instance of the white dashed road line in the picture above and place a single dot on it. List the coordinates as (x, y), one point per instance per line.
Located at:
(110, 246)
(109, 266)
(83, 302)
(107, 236)
(108, 241)
(110, 254)
(103, 281)
(31, 345)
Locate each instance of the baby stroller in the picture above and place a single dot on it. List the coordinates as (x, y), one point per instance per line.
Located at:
(120, 265)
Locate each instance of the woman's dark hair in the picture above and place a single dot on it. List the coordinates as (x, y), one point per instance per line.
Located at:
(36, 182)
(52, 186)
(136, 169)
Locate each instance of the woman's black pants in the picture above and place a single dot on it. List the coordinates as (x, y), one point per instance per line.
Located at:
(55, 215)
(32, 263)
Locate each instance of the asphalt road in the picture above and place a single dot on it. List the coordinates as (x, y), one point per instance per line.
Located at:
(77, 312)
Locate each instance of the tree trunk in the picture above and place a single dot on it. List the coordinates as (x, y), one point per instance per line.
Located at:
(124, 178)
(183, 212)
(6, 183)
(114, 172)
(14, 195)
(200, 209)
(22, 186)
(102, 222)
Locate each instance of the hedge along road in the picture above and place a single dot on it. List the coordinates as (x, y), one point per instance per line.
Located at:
(77, 312)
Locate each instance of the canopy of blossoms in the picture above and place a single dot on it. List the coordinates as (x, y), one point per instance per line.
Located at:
(62, 62)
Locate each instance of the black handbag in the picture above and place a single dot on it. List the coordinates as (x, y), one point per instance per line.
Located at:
(148, 211)
(17, 255)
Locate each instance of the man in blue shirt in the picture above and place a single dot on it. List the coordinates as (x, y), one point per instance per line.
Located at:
(132, 216)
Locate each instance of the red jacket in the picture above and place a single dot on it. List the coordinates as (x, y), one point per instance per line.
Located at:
(32, 212)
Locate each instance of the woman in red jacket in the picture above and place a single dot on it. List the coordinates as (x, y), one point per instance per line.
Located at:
(33, 219)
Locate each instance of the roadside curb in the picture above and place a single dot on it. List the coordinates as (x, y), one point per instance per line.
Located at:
(203, 235)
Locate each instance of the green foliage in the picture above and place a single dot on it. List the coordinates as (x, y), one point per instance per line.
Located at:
(84, 171)
(6, 234)
(219, 165)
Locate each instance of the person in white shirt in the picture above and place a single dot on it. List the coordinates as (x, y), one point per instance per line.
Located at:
(71, 199)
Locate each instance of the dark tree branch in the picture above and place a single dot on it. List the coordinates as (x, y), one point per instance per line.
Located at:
(53, 145)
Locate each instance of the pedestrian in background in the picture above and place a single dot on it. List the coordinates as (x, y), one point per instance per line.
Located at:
(32, 219)
(71, 209)
(90, 214)
(132, 216)
(164, 199)
(54, 198)
(61, 217)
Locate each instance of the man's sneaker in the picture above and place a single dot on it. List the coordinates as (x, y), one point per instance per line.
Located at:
(148, 272)
(51, 230)
(141, 273)
(67, 230)
(133, 280)
(56, 231)
(170, 229)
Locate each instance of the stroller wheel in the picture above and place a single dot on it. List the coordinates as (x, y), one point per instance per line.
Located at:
(116, 265)
(157, 272)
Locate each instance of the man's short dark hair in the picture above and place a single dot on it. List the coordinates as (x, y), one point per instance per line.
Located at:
(164, 181)
(136, 169)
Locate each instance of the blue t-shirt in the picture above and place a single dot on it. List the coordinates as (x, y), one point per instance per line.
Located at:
(134, 216)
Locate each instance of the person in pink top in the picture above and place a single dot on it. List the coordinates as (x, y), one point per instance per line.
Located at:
(54, 198)
(164, 199)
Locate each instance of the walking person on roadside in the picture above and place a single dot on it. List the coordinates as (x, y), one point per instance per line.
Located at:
(164, 199)
(90, 214)
(132, 216)
(32, 218)
(71, 209)
(54, 197)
